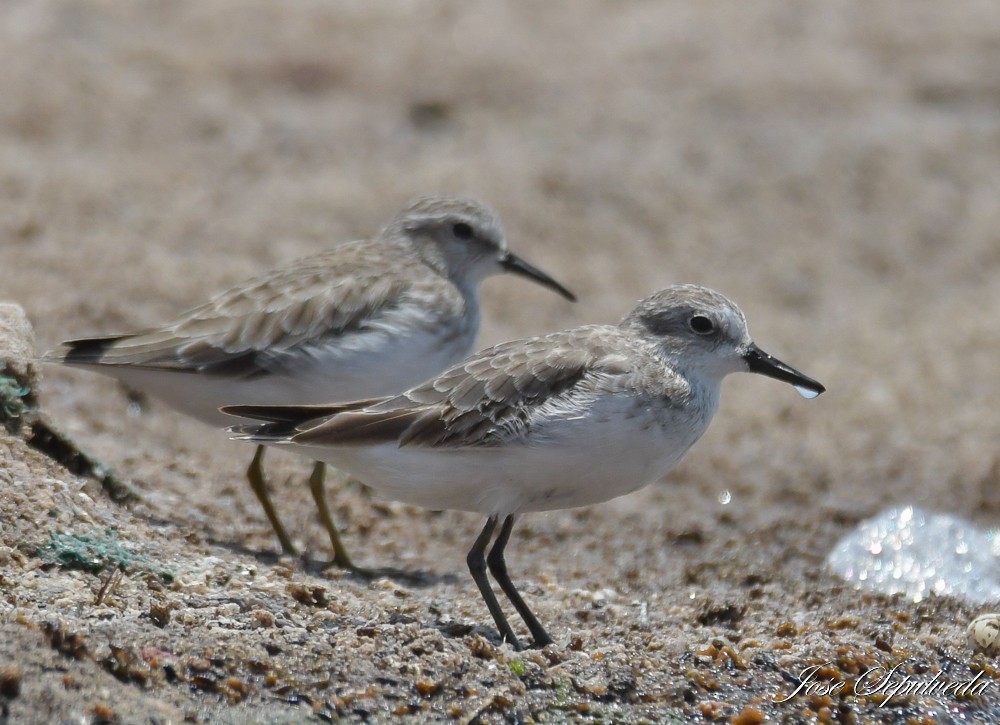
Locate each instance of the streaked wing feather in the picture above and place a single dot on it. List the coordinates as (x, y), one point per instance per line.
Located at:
(501, 388)
(248, 329)
(356, 427)
(468, 393)
(482, 401)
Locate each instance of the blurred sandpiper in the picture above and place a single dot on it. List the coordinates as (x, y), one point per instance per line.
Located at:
(366, 318)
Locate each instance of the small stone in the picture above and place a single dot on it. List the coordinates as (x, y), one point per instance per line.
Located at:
(200, 665)
(159, 613)
(984, 633)
(262, 619)
(103, 712)
(482, 649)
(787, 629)
(749, 715)
(311, 596)
(10, 681)
(427, 687)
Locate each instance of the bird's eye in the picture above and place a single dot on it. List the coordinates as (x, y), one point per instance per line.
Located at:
(701, 325)
(462, 230)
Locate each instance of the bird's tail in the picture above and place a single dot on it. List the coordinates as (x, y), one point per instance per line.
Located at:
(280, 422)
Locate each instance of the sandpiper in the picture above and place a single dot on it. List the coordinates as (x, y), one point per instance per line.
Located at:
(366, 318)
(568, 419)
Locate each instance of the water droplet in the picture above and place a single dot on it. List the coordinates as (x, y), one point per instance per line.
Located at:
(725, 497)
(806, 392)
(913, 552)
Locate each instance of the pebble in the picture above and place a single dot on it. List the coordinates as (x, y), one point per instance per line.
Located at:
(984, 633)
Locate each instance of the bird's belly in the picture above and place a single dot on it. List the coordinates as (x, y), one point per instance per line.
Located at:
(324, 375)
(336, 375)
(594, 464)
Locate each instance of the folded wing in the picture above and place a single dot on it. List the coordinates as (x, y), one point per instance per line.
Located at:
(250, 329)
(489, 398)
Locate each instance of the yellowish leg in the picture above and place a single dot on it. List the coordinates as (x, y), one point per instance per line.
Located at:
(340, 556)
(255, 474)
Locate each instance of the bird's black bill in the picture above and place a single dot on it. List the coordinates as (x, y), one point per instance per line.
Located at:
(760, 362)
(515, 265)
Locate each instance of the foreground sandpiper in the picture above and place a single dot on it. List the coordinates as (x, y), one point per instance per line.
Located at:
(568, 419)
(366, 318)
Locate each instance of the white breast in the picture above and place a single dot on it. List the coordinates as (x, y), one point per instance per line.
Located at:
(614, 448)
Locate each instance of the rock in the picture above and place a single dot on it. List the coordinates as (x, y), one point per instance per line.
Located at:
(19, 376)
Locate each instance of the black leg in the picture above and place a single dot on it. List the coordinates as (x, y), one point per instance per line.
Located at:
(499, 569)
(255, 474)
(477, 566)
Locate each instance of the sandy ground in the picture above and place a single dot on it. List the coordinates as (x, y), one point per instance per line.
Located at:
(834, 167)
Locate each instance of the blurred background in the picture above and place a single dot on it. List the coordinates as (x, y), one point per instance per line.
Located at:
(833, 167)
